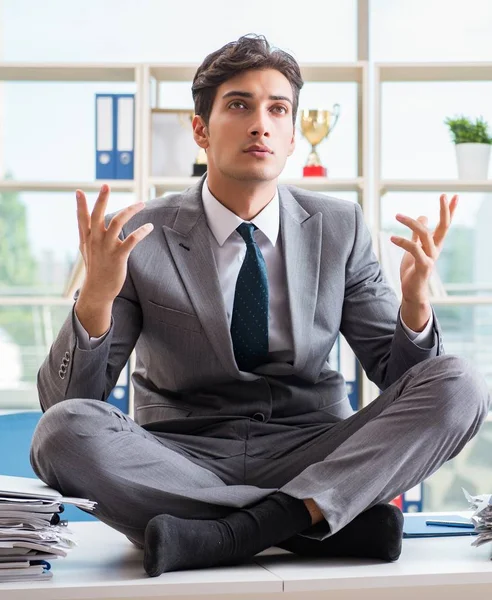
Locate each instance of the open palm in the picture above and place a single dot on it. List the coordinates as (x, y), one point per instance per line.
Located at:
(422, 251)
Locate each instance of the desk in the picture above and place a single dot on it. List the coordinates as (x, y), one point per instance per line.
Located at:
(106, 565)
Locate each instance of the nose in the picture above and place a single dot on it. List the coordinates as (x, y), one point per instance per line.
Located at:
(259, 126)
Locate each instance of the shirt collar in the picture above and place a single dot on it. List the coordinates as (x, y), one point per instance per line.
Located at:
(222, 221)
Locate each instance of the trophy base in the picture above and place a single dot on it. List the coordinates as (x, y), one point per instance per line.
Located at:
(199, 169)
(314, 171)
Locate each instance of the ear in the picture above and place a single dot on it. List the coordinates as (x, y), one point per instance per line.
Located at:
(200, 131)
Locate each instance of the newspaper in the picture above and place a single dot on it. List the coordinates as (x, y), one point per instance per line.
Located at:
(482, 516)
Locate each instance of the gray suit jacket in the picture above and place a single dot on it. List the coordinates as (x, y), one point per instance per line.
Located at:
(172, 312)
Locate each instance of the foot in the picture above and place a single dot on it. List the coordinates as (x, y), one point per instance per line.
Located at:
(172, 544)
(375, 533)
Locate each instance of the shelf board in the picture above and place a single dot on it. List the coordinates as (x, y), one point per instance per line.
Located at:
(331, 72)
(35, 301)
(320, 184)
(455, 300)
(117, 185)
(465, 71)
(435, 185)
(67, 72)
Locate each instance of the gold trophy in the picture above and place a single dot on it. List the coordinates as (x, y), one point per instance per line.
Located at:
(315, 126)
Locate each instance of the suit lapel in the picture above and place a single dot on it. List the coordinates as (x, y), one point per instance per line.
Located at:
(301, 241)
(195, 262)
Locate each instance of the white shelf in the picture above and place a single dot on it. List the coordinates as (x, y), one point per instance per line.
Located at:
(326, 72)
(455, 300)
(465, 71)
(116, 185)
(320, 184)
(67, 72)
(435, 185)
(35, 301)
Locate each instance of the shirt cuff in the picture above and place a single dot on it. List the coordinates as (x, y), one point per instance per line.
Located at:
(84, 342)
(425, 338)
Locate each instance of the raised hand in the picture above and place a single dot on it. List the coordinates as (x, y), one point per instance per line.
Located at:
(106, 258)
(422, 252)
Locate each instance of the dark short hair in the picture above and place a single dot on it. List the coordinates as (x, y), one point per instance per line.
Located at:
(249, 52)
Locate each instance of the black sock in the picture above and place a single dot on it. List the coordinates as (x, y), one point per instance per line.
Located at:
(172, 544)
(375, 533)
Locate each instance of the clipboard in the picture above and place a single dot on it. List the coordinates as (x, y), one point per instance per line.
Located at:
(415, 526)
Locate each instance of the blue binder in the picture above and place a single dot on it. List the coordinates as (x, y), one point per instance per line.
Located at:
(105, 136)
(412, 500)
(125, 135)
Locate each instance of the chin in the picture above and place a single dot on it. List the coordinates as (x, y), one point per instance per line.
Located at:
(258, 174)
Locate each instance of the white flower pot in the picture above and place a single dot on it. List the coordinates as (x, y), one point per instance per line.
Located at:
(473, 161)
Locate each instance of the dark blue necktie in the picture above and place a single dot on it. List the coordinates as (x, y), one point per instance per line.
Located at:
(249, 324)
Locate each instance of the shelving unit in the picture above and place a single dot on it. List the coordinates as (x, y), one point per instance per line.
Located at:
(147, 77)
(369, 186)
(421, 72)
(418, 73)
(117, 185)
(74, 72)
(154, 74)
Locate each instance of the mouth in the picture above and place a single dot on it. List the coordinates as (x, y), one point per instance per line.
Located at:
(259, 151)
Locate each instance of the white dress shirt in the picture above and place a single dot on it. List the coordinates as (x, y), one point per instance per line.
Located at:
(229, 250)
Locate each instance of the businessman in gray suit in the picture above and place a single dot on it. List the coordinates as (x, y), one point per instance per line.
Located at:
(233, 293)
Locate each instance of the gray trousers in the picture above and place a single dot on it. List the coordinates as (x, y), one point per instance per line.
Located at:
(90, 449)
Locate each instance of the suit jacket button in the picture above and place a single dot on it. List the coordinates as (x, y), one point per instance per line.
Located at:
(61, 374)
(259, 416)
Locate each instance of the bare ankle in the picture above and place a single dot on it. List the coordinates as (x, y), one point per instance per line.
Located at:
(314, 511)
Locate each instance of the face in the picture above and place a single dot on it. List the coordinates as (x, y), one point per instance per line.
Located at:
(250, 132)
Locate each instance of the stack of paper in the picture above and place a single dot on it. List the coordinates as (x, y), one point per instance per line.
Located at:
(482, 517)
(31, 531)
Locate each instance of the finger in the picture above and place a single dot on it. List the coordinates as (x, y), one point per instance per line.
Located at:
(422, 261)
(424, 235)
(137, 236)
(446, 216)
(83, 216)
(122, 217)
(415, 236)
(97, 217)
(453, 205)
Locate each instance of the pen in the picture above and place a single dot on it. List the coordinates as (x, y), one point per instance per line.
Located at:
(452, 524)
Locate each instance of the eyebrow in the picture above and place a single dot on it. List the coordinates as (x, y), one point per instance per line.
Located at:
(250, 95)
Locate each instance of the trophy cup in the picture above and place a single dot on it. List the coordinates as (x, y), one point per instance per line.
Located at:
(315, 126)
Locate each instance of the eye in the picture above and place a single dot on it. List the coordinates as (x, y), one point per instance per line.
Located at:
(280, 109)
(236, 103)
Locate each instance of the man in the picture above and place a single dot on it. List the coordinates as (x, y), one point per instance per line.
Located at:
(233, 294)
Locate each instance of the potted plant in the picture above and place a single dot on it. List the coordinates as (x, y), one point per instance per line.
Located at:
(472, 143)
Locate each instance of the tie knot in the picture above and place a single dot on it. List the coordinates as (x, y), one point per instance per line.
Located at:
(246, 232)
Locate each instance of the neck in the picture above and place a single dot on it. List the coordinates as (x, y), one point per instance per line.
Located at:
(244, 198)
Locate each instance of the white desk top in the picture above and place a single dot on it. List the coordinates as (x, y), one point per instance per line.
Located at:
(106, 565)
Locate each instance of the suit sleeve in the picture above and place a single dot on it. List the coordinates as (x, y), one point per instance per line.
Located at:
(371, 320)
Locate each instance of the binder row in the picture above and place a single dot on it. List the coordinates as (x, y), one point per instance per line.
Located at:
(115, 136)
